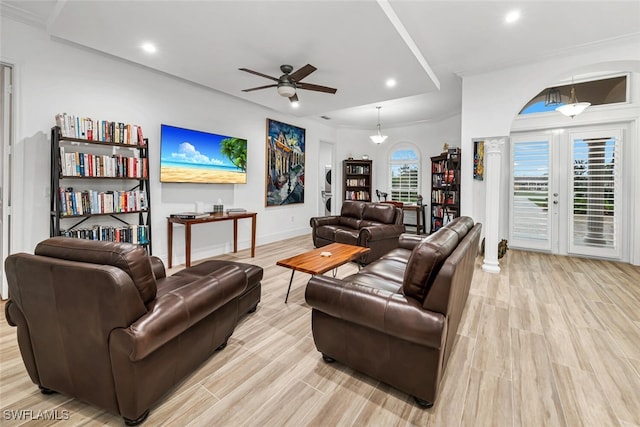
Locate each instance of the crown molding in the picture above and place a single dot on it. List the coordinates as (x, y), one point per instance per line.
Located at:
(12, 11)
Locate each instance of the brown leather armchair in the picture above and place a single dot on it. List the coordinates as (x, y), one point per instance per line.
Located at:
(101, 322)
(371, 225)
(396, 319)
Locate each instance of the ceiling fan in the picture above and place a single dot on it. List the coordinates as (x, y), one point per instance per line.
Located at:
(289, 82)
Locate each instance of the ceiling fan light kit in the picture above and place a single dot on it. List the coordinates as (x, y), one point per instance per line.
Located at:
(289, 82)
(287, 90)
(378, 138)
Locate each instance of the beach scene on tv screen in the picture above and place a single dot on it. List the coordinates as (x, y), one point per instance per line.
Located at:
(201, 157)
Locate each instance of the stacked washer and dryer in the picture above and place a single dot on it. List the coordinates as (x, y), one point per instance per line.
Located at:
(326, 193)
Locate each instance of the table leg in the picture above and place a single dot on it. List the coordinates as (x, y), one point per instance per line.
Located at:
(289, 288)
(187, 244)
(170, 241)
(235, 235)
(253, 236)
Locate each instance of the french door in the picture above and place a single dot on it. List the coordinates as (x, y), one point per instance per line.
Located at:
(567, 192)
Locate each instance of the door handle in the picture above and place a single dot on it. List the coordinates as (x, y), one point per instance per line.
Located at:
(555, 202)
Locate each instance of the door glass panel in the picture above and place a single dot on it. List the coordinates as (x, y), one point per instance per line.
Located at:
(594, 184)
(530, 195)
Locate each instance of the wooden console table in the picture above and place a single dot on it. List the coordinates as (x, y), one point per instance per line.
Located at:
(212, 218)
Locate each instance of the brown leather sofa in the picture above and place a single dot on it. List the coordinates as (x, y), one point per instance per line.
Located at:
(396, 319)
(371, 225)
(101, 322)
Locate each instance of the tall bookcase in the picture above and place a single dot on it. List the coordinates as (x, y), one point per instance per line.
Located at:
(357, 180)
(100, 188)
(445, 188)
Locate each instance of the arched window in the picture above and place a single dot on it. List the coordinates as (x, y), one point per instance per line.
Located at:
(598, 92)
(404, 173)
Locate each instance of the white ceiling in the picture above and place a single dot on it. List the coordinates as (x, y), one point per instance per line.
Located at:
(354, 45)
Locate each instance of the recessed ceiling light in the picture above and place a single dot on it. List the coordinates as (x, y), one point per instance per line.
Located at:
(295, 104)
(391, 82)
(512, 16)
(149, 47)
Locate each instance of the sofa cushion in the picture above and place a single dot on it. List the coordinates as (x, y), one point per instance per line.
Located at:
(352, 209)
(205, 268)
(131, 258)
(375, 281)
(389, 270)
(425, 262)
(347, 236)
(367, 223)
(378, 212)
(350, 222)
(398, 254)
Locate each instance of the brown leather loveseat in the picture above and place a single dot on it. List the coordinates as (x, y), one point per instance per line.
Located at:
(101, 322)
(371, 225)
(396, 319)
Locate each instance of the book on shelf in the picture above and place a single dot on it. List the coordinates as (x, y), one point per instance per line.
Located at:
(190, 215)
(136, 234)
(72, 126)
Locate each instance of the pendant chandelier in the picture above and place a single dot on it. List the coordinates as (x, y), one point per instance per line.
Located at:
(378, 138)
(573, 107)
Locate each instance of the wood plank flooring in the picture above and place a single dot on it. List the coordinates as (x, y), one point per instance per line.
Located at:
(550, 341)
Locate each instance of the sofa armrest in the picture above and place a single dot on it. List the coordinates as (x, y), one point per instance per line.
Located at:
(157, 266)
(178, 310)
(409, 241)
(380, 232)
(387, 312)
(324, 220)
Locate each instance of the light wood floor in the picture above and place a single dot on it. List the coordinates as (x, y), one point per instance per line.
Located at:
(550, 341)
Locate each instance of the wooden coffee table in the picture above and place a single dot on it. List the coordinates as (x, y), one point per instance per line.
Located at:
(313, 263)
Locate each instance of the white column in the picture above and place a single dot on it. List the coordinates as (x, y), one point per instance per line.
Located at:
(492, 162)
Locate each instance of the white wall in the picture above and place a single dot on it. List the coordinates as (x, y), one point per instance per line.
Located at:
(491, 102)
(54, 77)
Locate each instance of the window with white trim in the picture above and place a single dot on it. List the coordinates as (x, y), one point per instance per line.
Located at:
(404, 173)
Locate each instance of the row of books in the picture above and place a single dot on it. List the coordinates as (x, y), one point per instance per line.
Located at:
(357, 195)
(359, 170)
(95, 165)
(137, 234)
(442, 179)
(444, 197)
(439, 167)
(357, 182)
(442, 212)
(99, 130)
(94, 202)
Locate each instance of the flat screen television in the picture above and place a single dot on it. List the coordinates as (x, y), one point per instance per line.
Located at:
(200, 157)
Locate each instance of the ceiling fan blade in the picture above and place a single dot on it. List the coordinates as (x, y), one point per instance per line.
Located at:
(317, 88)
(302, 73)
(258, 88)
(294, 98)
(258, 74)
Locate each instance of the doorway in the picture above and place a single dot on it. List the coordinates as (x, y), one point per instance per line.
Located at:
(6, 137)
(326, 185)
(567, 192)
